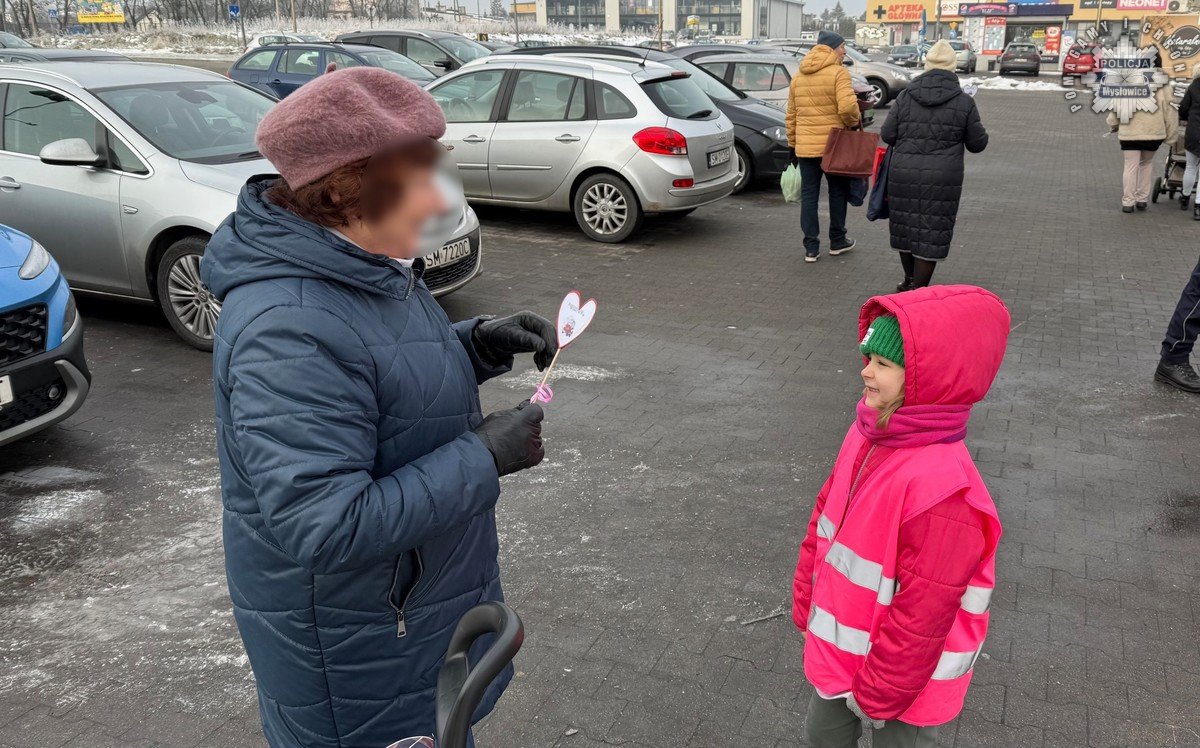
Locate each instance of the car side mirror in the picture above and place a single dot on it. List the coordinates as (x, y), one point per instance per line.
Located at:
(70, 152)
(848, 62)
(443, 64)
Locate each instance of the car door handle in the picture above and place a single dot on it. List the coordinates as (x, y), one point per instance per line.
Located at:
(474, 139)
(276, 81)
(568, 138)
(8, 183)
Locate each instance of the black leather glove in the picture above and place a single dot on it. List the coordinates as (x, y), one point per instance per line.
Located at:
(524, 332)
(514, 437)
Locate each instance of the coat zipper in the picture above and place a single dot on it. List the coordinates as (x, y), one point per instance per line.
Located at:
(853, 487)
(401, 626)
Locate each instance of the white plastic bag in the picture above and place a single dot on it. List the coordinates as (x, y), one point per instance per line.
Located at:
(789, 182)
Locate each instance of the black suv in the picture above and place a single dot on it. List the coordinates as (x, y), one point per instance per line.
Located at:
(759, 130)
(437, 51)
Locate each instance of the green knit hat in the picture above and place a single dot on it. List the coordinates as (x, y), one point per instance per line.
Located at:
(883, 339)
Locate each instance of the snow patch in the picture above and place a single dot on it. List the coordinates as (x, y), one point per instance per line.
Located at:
(530, 379)
(1001, 83)
(53, 508)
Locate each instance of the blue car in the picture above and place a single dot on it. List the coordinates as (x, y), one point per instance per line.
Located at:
(279, 69)
(43, 375)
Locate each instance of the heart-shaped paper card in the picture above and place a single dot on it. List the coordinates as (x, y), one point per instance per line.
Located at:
(574, 316)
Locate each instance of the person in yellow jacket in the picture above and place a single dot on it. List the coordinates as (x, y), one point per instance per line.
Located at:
(821, 98)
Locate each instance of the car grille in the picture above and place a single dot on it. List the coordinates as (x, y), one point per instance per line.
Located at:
(22, 333)
(30, 404)
(447, 275)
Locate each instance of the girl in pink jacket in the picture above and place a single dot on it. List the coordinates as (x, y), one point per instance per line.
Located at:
(897, 568)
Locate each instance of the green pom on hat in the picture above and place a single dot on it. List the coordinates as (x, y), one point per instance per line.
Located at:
(883, 339)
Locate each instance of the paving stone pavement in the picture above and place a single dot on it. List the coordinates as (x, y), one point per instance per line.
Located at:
(691, 428)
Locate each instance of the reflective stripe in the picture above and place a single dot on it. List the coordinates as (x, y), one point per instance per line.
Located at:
(977, 599)
(953, 665)
(862, 572)
(823, 625)
(825, 527)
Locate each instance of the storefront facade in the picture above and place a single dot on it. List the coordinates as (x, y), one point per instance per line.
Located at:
(989, 26)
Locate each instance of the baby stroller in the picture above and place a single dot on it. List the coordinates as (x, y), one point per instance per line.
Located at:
(460, 687)
(1171, 182)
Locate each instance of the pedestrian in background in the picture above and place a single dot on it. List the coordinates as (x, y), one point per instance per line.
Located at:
(820, 99)
(1189, 117)
(1174, 365)
(929, 125)
(358, 476)
(1140, 138)
(897, 568)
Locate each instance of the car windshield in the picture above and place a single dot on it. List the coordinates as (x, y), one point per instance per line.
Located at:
(397, 63)
(904, 50)
(200, 121)
(464, 49)
(857, 56)
(708, 83)
(9, 40)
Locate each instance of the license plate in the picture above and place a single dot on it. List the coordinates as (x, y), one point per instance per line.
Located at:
(449, 253)
(716, 158)
(6, 395)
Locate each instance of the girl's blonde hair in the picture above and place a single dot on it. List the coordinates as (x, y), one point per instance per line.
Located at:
(886, 412)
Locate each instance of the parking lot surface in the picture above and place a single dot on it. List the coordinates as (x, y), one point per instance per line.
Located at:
(651, 555)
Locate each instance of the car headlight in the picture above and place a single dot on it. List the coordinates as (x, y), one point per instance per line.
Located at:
(70, 314)
(778, 134)
(36, 262)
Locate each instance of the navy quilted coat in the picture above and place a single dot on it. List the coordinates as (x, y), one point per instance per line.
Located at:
(358, 505)
(930, 123)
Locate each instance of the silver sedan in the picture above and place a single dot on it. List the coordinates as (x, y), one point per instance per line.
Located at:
(123, 170)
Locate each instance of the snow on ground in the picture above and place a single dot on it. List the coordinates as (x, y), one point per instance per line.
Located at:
(221, 41)
(1006, 83)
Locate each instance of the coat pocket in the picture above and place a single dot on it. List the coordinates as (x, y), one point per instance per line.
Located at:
(404, 586)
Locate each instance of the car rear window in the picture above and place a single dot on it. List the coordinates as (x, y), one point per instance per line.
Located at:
(257, 61)
(1022, 48)
(679, 96)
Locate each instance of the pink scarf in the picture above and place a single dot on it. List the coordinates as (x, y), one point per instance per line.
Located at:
(915, 425)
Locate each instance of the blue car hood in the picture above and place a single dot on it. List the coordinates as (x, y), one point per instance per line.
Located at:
(14, 247)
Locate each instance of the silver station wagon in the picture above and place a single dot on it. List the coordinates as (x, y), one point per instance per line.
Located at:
(609, 139)
(124, 169)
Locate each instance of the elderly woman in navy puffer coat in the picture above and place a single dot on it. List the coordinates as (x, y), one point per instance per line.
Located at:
(358, 476)
(930, 123)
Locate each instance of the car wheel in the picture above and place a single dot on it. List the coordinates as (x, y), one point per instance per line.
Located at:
(879, 92)
(188, 305)
(745, 169)
(607, 209)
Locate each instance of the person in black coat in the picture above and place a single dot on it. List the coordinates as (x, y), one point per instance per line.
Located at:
(1189, 116)
(928, 126)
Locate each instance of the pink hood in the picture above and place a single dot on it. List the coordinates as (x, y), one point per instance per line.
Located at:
(954, 341)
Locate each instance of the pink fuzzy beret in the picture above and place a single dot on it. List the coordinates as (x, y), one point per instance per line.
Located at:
(342, 117)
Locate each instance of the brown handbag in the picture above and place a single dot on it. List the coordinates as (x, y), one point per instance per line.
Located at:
(849, 153)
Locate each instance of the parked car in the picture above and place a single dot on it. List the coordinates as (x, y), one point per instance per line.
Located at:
(608, 140)
(44, 377)
(164, 151)
(905, 56)
(886, 79)
(1079, 60)
(12, 41)
(279, 70)
(967, 61)
(694, 52)
(280, 37)
(1022, 57)
(437, 51)
(498, 47)
(768, 78)
(33, 54)
(759, 130)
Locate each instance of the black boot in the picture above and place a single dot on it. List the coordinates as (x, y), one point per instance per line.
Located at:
(1196, 212)
(1183, 201)
(1180, 376)
(906, 285)
(1141, 206)
(1126, 208)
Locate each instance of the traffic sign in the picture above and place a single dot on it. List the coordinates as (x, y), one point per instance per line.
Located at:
(235, 11)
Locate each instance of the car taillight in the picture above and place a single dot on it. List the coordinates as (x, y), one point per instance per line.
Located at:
(661, 140)
(684, 183)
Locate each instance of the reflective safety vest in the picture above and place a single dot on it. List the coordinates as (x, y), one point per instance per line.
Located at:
(854, 570)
